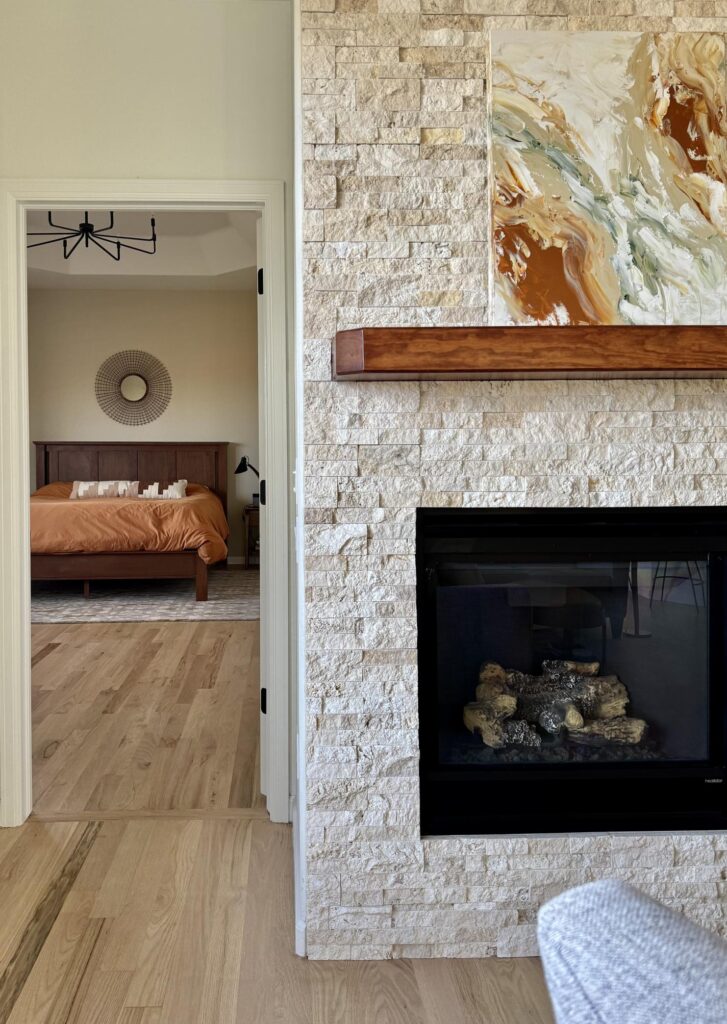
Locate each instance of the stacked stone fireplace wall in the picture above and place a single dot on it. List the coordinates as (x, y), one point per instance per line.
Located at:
(395, 232)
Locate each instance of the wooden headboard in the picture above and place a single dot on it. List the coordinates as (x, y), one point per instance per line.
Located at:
(200, 462)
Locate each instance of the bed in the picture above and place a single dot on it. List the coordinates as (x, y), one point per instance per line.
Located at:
(128, 538)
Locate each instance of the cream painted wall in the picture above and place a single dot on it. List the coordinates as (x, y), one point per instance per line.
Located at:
(146, 89)
(207, 341)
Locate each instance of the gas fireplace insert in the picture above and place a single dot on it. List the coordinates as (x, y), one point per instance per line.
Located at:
(571, 669)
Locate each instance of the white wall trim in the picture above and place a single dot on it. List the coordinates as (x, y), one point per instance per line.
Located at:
(17, 196)
(15, 741)
(300, 803)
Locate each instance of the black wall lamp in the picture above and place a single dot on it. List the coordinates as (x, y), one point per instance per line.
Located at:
(243, 466)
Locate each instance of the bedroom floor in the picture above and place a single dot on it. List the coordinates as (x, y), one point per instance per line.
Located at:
(145, 717)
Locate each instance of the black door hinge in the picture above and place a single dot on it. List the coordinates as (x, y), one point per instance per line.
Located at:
(263, 493)
(264, 700)
(260, 281)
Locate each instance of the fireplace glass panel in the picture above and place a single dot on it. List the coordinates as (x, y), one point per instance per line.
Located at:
(635, 635)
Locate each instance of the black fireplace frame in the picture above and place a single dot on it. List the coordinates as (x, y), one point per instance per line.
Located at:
(590, 797)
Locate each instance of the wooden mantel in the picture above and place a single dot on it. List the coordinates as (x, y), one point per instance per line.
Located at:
(486, 353)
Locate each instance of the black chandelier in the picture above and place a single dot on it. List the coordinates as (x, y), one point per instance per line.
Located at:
(87, 232)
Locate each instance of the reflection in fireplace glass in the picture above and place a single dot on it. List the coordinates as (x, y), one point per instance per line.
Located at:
(572, 661)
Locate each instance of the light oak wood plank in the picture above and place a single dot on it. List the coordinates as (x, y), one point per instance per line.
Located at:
(513, 991)
(43, 652)
(131, 1015)
(47, 895)
(93, 873)
(100, 998)
(8, 838)
(73, 785)
(58, 971)
(153, 870)
(140, 1015)
(208, 949)
(280, 988)
(221, 985)
(157, 945)
(30, 866)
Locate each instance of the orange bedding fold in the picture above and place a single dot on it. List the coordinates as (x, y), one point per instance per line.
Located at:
(61, 526)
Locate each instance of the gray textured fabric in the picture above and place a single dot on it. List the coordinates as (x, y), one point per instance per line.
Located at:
(614, 956)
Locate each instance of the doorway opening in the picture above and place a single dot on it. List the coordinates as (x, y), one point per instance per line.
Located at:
(165, 704)
(145, 553)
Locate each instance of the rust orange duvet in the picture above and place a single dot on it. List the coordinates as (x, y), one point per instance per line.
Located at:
(60, 525)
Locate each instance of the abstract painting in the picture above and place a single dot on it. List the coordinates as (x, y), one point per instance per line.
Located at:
(608, 178)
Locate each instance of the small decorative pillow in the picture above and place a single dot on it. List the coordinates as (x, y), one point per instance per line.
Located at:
(172, 492)
(104, 489)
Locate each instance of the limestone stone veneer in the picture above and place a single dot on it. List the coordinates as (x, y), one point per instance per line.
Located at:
(395, 232)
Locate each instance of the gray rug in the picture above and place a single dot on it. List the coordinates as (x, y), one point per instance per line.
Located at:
(234, 594)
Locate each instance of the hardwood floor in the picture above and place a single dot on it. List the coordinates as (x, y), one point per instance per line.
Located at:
(190, 921)
(149, 887)
(145, 717)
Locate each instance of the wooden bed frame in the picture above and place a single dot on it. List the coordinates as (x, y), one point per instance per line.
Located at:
(200, 462)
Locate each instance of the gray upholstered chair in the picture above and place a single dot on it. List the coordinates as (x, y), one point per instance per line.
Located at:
(612, 955)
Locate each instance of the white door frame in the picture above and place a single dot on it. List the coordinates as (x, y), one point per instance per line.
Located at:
(16, 197)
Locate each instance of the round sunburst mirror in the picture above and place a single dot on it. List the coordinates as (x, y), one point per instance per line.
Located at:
(133, 387)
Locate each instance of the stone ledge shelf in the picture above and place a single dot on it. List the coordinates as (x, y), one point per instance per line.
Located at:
(515, 353)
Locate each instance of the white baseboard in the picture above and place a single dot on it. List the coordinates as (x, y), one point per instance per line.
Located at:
(300, 943)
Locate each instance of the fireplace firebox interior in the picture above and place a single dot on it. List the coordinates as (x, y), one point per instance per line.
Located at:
(571, 669)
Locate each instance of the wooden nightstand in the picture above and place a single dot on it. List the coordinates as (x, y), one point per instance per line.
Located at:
(251, 536)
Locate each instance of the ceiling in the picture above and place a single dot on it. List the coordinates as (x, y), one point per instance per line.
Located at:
(211, 251)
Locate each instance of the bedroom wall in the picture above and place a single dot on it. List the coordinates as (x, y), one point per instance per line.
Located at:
(207, 341)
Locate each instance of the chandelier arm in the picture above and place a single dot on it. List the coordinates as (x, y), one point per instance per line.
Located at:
(114, 255)
(63, 228)
(69, 252)
(131, 238)
(109, 226)
(60, 234)
(136, 248)
(50, 241)
(120, 238)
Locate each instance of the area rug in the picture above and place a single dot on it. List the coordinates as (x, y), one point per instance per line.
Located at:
(234, 594)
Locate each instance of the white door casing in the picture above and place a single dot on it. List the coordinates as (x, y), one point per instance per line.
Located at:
(262, 370)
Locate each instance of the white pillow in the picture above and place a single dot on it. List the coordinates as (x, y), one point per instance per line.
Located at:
(104, 489)
(173, 492)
